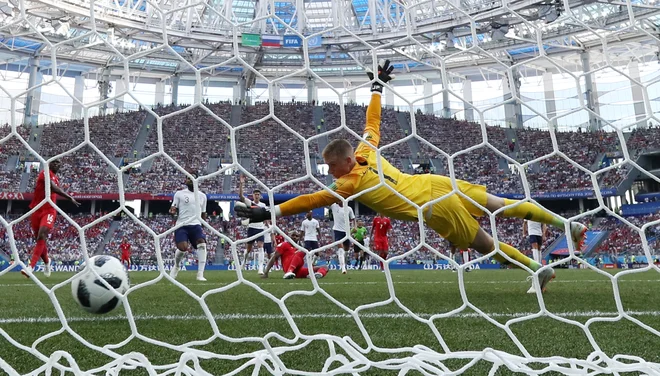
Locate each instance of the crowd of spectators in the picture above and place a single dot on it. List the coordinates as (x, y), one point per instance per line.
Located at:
(10, 175)
(640, 140)
(191, 138)
(625, 240)
(113, 134)
(479, 166)
(277, 156)
(84, 170)
(64, 242)
(162, 177)
(355, 116)
(556, 173)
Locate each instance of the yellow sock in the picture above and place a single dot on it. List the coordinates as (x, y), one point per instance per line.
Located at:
(531, 212)
(516, 255)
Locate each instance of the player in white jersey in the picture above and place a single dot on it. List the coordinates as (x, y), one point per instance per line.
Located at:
(253, 228)
(311, 228)
(536, 232)
(191, 232)
(340, 228)
(269, 239)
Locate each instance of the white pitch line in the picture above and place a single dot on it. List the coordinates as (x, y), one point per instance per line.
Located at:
(240, 316)
(306, 282)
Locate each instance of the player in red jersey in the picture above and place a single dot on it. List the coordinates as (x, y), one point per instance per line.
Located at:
(43, 220)
(292, 261)
(380, 229)
(126, 253)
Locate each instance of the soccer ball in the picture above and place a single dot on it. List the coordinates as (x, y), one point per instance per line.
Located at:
(91, 294)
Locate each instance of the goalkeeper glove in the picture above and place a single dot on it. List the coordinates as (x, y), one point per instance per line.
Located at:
(384, 75)
(255, 214)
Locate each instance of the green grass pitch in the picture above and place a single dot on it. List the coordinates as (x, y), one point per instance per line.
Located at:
(165, 312)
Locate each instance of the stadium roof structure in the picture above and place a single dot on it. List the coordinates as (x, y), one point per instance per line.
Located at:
(468, 38)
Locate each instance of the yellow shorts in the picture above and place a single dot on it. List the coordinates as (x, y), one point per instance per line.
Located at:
(454, 217)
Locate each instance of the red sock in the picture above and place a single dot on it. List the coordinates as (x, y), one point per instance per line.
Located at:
(321, 269)
(39, 250)
(44, 254)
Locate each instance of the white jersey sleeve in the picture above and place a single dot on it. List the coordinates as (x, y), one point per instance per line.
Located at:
(176, 199)
(203, 202)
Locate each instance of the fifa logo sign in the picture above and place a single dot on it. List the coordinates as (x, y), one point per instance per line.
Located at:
(292, 41)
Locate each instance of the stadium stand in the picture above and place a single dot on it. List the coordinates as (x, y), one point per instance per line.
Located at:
(64, 241)
(277, 156)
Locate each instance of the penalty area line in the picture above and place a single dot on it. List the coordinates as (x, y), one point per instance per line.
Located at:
(241, 316)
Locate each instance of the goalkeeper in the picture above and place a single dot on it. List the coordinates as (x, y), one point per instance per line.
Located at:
(453, 217)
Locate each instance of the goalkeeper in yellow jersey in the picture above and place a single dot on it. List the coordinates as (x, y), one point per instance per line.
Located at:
(453, 217)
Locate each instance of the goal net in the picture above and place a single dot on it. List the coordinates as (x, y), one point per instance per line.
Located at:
(134, 96)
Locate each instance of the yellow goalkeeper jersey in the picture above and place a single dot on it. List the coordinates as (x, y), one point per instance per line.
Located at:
(416, 188)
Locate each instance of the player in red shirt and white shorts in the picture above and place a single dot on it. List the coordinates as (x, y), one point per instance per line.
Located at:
(380, 228)
(125, 253)
(43, 219)
(292, 261)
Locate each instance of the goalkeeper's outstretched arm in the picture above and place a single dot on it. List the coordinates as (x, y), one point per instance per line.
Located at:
(372, 128)
(297, 205)
(342, 161)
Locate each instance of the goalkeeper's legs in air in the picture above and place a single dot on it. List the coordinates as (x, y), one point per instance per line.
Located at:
(454, 219)
(524, 210)
(533, 212)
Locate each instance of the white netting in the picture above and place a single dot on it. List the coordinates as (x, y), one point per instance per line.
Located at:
(403, 40)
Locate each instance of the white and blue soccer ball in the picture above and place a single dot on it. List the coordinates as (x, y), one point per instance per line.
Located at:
(92, 294)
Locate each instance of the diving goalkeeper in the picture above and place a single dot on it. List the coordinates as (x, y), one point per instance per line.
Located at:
(453, 217)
